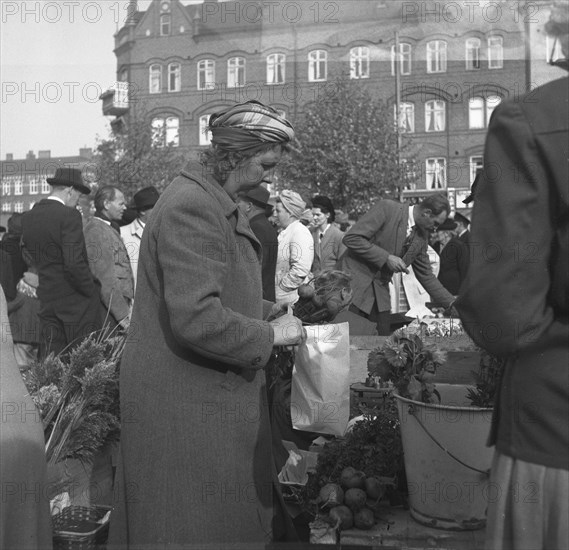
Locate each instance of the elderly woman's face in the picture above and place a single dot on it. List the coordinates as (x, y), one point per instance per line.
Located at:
(282, 216)
(253, 171)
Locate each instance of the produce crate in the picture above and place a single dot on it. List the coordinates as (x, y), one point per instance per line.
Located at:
(360, 394)
(78, 528)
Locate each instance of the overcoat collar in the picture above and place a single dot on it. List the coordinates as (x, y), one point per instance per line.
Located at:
(199, 174)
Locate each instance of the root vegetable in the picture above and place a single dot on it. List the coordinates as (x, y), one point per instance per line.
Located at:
(364, 519)
(343, 516)
(355, 499)
(331, 495)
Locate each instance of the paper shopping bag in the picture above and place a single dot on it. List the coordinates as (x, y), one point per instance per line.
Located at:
(320, 392)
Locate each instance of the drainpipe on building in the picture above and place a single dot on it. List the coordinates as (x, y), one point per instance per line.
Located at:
(397, 109)
(295, 71)
(527, 43)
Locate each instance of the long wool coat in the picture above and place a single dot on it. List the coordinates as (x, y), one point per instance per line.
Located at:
(195, 464)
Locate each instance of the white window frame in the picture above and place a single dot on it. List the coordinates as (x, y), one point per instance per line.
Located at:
(204, 134)
(6, 206)
(174, 77)
(18, 207)
(437, 56)
(435, 112)
(155, 78)
(33, 181)
(436, 177)
(45, 187)
(476, 108)
(6, 187)
(172, 134)
(165, 24)
(236, 68)
(18, 186)
(276, 63)
(359, 62)
(472, 54)
(317, 66)
(406, 119)
(405, 51)
(495, 52)
(476, 162)
(206, 74)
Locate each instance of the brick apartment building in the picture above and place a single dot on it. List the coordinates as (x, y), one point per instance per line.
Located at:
(23, 181)
(457, 61)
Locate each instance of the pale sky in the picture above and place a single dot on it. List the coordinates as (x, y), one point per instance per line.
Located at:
(56, 58)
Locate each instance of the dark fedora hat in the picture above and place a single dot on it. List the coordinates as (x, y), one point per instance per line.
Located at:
(458, 217)
(69, 177)
(259, 196)
(448, 225)
(145, 198)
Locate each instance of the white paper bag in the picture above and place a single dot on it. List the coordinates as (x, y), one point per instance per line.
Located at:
(320, 393)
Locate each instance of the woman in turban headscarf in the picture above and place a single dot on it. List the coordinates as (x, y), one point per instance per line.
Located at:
(195, 466)
(296, 247)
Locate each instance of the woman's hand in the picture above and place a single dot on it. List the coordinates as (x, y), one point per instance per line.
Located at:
(288, 331)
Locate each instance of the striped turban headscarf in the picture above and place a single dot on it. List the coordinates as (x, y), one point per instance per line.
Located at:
(249, 125)
(292, 203)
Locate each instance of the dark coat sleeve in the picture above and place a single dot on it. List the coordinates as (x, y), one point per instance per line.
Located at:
(75, 263)
(504, 301)
(359, 239)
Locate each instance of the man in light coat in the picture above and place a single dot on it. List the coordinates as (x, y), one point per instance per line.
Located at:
(144, 201)
(108, 258)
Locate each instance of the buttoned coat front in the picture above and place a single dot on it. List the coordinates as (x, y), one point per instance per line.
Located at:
(196, 459)
(109, 262)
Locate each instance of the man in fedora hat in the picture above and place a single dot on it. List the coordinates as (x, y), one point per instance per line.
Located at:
(462, 224)
(52, 234)
(255, 204)
(143, 202)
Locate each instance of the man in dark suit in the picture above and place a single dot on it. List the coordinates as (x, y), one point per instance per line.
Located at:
(255, 204)
(515, 304)
(52, 234)
(454, 257)
(386, 240)
(462, 224)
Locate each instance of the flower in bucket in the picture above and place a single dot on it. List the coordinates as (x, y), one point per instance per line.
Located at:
(409, 364)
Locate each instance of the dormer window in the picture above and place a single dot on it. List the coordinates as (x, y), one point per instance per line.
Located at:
(165, 23)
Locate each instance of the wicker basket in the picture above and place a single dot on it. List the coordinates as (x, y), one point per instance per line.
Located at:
(77, 528)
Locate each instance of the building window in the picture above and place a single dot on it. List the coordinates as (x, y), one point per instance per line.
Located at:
(436, 173)
(359, 62)
(495, 52)
(33, 186)
(480, 109)
(165, 21)
(31, 205)
(476, 164)
(18, 207)
(406, 117)
(236, 72)
(437, 56)
(472, 54)
(174, 77)
(6, 187)
(276, 68)
(205, 134)
(45, 187)
(6, 206)
(18, 187)
(317, 65)
(476, 112)
(155, 75)
(435, 116)
(206, 74)
(166, 131)
(123, 75)
(408, 171)
(404, 58)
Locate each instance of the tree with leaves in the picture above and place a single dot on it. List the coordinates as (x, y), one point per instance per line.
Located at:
(346, 149)
(137, 155)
